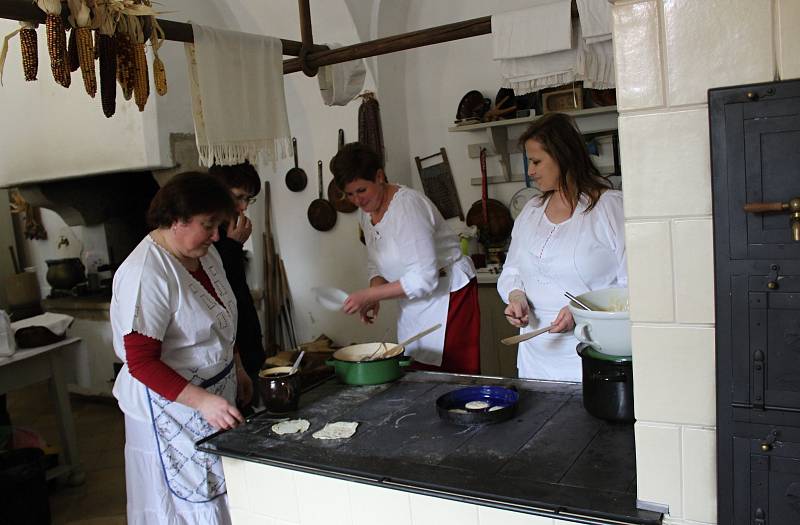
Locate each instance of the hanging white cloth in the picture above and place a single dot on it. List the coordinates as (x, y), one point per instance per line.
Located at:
(238, 101)
(595, 16)
(537, 30)
(341, 83)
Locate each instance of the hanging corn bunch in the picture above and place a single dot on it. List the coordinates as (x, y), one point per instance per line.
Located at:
(30, 50)
(30, 56)
(72, 51)
(125, 66)
(104, 24)
(159, 71)
(56, 41)
(80, 16)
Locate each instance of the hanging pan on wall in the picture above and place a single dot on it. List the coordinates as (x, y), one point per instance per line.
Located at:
(296, 179)
(491, 216)
(321, 213)
(337, 196)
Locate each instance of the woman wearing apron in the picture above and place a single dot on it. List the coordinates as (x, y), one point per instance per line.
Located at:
(173, 317)
(412, 256)
(570, 239)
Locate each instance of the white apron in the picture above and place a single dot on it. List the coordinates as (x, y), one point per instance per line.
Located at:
(583, 253)
(156, 296)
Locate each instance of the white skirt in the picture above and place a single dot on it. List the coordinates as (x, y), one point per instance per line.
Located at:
(150, 500)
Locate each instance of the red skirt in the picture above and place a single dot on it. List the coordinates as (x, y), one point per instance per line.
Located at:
(462, 336)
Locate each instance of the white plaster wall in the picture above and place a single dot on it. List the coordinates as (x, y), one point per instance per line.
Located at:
(669, 53)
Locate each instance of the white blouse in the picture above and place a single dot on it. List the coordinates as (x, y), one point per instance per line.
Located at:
(586, 252)
(412, 244)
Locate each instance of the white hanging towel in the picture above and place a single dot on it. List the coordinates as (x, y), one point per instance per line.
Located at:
(341, 83)
(595, 16)
(537, 30)
(238, 100)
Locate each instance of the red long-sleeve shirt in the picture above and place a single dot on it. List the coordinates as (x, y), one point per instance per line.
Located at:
(143, 355)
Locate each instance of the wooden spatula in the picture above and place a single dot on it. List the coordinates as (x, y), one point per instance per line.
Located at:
(524, 337)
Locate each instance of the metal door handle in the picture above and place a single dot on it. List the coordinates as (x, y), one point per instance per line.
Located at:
(793, 207)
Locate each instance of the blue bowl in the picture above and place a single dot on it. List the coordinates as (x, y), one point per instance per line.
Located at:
(451, 406)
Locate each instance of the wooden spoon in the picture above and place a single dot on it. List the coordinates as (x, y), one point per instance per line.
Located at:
(524, 337)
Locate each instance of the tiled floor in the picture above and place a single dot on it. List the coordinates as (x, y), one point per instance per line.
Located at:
(99, 426)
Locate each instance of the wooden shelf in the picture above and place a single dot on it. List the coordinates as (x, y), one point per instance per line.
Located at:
(589, 121)
(578, 115)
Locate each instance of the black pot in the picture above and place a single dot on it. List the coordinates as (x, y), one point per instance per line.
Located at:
(64, 274)
(607, 385)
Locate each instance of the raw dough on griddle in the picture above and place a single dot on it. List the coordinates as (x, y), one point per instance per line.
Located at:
(496, 407)
(293, 426)
(476, 405)
(458, 411)
(338, 430)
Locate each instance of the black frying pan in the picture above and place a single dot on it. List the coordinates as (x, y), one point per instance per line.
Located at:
(337, 196)
(296, 179)
(321, 213)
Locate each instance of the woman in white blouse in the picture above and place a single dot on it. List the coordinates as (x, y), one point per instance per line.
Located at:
(570, 239)
(412, 256)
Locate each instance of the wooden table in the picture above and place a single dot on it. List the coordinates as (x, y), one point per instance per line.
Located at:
(32, 365)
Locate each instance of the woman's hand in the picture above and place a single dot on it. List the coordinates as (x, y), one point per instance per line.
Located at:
(218, 412)
(370, 313)
(239, 230)
(214, 409)
(518, 309)
(563, 321)
(359, 301)
(244, 387)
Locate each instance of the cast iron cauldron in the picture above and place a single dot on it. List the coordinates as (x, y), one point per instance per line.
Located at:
(607, 385)
(64, 274)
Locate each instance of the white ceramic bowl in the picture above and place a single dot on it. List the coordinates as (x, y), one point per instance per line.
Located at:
(608, 329)
(330, 298)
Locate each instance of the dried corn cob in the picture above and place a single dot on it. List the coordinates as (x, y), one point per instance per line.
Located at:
(86, 59)
(107, 52)
(159, 76)
(30, 52)
(57, 47)
(141, 85)
(72, 52)
(125, 65)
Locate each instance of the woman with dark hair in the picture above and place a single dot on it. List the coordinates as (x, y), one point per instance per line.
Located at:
(244, 184)
(412, 256)
(173, 317)
(570, 239)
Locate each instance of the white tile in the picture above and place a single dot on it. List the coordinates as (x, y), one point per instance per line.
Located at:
(324, 500)
(242, 517)
(371, 505)
(271, 492)
(674, 377)
(693, 253)
(658, 466)
(637, 56)
(426, 510)
(699, 449)
(666, 164)
(492, 516)
(649, 271)
(236, 482)
(715, 43)
(789, 44)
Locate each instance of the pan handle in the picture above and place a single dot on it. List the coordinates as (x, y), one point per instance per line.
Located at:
(319, 169)
(294, 150)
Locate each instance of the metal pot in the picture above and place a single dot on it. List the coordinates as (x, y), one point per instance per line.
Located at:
(366, 372)
(607, 385)
(65, 274)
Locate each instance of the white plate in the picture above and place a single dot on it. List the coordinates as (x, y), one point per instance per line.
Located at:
(520, 199)
(330, 298)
